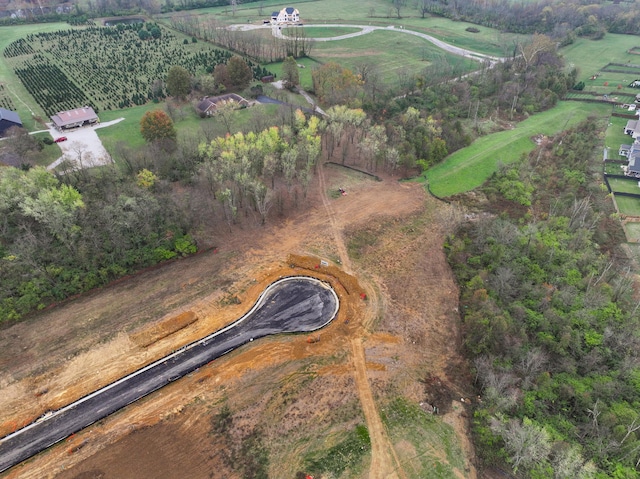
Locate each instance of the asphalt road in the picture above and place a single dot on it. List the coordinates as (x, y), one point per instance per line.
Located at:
(296, 304)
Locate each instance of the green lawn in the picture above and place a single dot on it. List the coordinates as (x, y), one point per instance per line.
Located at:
(628, 205)
(305, 73)
(470, 167)
(618, 185)
(613, 168)
(615, 136)
(128, 130)
(371, 12)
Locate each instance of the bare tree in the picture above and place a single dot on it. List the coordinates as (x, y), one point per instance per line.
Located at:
(423, 7)
(234, 6)
(397, 6)
(526, 442)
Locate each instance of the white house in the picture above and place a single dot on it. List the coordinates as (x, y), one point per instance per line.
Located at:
(288, 15)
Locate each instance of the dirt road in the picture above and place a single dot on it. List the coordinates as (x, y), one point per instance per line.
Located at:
(384, 463)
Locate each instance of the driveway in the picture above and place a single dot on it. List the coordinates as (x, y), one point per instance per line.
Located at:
(277, 32)
(83, 148)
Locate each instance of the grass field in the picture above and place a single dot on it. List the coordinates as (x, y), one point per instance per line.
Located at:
(592, 56)
(394, 53)
(470, 167)
(415, 433)
(324, 32)
(632, 231)
(618, 185)
(628, 206)
(373, 12)
(615, 136)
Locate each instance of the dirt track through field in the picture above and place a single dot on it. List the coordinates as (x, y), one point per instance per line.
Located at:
(384, 462)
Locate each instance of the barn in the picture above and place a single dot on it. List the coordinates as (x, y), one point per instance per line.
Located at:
(8, 119)
(67, 120)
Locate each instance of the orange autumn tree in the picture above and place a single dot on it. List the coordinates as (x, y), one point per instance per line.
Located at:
(156, 125)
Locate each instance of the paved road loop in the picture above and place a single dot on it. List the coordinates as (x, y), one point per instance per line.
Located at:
(290, 305)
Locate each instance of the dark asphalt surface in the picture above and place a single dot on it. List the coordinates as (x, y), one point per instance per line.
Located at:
(296, 304)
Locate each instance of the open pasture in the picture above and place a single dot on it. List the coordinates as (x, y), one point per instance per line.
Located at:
(394, 53)
(470, 167)
(372, 12)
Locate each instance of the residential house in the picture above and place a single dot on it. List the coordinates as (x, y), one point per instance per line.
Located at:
(208, 105)
(633, 153)
(288, 15)
(8, 119)
(67, 120)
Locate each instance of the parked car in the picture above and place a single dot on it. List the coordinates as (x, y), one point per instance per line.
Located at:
(60, 139)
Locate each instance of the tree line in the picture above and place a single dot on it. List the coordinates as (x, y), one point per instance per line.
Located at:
(562, 20)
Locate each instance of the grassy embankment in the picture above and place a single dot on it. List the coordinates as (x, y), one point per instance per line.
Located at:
(470, 167)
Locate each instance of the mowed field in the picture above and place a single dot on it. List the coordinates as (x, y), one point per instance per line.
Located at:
(395, 54)
(468, 168)
(591, 57)
(372, 12)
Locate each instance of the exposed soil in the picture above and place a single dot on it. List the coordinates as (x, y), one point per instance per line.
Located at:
(288, 390)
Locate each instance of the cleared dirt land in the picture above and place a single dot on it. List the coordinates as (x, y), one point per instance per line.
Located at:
(282, 398)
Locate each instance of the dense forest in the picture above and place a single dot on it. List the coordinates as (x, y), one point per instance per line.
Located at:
(550, 319)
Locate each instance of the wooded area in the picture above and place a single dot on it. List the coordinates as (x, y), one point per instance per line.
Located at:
(550, 317)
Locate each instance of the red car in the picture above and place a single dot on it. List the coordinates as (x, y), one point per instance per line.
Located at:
(61, 139)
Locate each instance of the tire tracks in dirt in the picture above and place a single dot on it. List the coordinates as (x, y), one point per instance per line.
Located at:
(384, 461)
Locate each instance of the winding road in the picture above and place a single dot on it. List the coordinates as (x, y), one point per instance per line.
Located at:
(463, 52)
(290, 305)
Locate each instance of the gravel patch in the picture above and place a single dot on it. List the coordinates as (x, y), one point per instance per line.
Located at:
(83, 148)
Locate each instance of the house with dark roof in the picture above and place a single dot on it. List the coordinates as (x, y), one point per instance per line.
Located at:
(632, 128)
(8, 119)
(632, 152)
(208, 105)
(287, 15)
(67, 120)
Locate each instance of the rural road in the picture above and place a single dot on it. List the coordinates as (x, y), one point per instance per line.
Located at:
(295, 304)
(277, 32)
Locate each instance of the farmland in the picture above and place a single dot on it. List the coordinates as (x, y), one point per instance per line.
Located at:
(107, 68)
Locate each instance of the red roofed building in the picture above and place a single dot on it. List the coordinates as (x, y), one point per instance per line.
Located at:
(66, 120)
